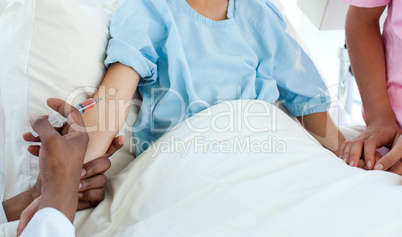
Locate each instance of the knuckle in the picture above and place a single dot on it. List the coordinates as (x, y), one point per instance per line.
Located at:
(368, 142)
(55, 140)
(101, 194)
(40, 120)
(103, 180)
(94, 203)
(108, 164)
(90, 168)
(85, 184)
(387, 161)
(354, 156)
(355, 143)
(96, 194)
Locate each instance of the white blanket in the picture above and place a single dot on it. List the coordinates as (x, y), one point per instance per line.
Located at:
(231, 180)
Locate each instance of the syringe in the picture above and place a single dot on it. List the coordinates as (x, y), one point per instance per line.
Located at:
(57, 120)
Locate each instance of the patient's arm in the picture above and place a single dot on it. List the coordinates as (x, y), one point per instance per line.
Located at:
(323, 128)
(105, 121)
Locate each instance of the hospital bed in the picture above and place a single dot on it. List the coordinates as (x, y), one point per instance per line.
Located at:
(212, 182)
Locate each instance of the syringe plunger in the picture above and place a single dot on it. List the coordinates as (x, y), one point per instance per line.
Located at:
(55, 120)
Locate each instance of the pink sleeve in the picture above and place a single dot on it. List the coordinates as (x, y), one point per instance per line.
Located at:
(368, 3)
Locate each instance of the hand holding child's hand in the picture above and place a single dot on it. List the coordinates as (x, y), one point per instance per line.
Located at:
(392, 160)
(366, 144)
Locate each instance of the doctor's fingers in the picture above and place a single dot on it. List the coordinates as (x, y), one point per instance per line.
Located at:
(34, 150)
(30, 138)
(103, 164)
(68, 111)
(96, 167)
(96, 195)
(95, 182)
(117, 143)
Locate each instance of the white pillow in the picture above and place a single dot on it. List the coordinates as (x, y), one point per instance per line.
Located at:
(49, 48)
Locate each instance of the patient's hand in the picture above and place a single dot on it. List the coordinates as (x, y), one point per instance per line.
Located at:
(362, 163)
(93, 179)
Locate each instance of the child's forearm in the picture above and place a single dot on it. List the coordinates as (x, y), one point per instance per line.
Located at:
(105, 121)
(323, 128)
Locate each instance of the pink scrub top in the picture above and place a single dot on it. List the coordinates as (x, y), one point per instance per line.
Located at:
(393, 43)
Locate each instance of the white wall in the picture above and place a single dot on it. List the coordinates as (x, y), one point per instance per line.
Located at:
(323, 46)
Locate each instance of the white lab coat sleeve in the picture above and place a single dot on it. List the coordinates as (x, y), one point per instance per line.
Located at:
(49, 222)
(3, 218)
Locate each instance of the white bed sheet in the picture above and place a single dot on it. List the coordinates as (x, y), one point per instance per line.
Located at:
(305, 191)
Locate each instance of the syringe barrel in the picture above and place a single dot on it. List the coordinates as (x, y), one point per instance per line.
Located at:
(57, 120)
(86, 105)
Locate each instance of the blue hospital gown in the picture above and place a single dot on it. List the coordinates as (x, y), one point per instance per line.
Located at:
(188, 62)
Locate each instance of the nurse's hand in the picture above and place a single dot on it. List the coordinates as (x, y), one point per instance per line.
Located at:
(374, 137)
(392, 160)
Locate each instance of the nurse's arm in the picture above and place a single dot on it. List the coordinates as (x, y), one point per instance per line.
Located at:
(105, 121)
(367, 55)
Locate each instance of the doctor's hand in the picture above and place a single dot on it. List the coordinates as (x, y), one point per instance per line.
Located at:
(60, 161)
(385, 133)
(93, 180)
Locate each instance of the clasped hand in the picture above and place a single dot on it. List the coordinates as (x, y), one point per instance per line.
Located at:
(386, 134)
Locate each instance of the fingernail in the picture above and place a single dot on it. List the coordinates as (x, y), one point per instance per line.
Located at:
(379, 167)
(83, 172)
(33, 117)
(80, 186)
(368, 165)
(80, 195)
(352, 163)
